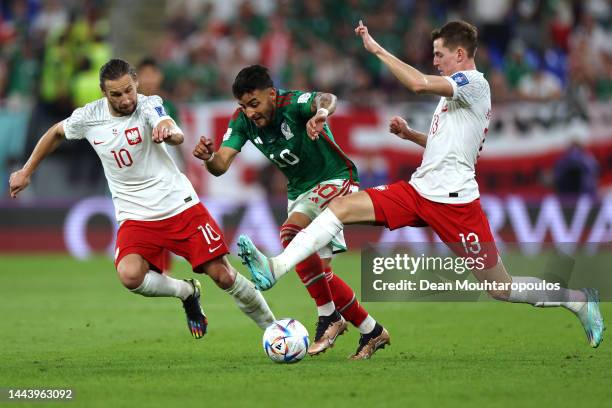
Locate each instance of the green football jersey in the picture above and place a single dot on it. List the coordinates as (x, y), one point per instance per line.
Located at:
(285, 143)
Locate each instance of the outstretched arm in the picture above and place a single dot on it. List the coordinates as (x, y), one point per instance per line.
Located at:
(217, 162)
(411, 77)
(323, 105)
(20, 179)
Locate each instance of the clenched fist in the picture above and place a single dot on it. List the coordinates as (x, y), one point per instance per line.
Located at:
(205, 149)
(399, 127)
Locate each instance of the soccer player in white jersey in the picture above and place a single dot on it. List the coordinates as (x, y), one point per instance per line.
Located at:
(442, 192)
(155, 204)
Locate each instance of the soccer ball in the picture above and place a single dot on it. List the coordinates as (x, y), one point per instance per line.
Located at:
(286, 341)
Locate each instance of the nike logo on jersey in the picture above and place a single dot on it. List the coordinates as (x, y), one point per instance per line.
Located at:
(211, 250)
(97, 143)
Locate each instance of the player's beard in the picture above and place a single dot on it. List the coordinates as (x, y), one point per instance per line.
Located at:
(266, 117)
(261, 121)
(124, 111)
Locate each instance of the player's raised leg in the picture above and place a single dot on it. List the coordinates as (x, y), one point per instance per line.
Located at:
(249, 300)
(136, 275)
(583, 303)
(351, 209)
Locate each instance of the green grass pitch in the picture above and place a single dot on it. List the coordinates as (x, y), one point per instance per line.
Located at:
(70, 324)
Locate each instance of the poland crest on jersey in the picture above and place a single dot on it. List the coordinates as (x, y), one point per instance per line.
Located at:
(286, 130)
(133, 136)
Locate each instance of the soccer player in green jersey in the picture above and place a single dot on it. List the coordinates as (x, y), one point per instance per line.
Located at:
(290, 129)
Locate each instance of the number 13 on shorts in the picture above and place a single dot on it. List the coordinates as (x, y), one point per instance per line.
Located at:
(471, 243)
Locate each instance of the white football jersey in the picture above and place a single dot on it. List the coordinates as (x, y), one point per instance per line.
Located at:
(457, 132)
(144, 181)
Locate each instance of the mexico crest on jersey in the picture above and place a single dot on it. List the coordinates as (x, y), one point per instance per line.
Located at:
(133, 136)
(286, 130)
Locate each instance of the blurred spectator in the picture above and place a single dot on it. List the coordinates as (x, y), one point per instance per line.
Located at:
(4, 74)
(373, 171)
(333, 72)
(150, 79)
(536, 50)
(275, 47)
(206, 42)
(591, 55)
(417, 48)
(21, 16)
(362, 91)
(298, 72)
(603, 84)
(256, 25)
(576, 172)
(235, 52)
(599, 40)
(540, 86)
(57, 69)
(514, 35)
(7, 31)
(52, 16)
(493, 22)
(561, 26)
(528, 27)
(515, 66)
(85, 83)
(499, 85)
(24, 71)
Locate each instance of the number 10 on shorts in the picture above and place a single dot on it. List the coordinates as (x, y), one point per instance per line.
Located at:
(210, 235)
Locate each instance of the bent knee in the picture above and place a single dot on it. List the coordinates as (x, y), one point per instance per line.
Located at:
(131, 271)
(221, 272)
(338, 207)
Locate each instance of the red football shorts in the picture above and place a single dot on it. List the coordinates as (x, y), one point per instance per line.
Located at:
(192, 234)
(463, 227)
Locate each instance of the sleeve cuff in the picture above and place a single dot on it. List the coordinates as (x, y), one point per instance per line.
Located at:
(67, 131)
(159, 119)
(230, 145)
(453, 84)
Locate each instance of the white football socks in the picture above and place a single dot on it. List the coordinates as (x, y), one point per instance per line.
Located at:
(308, 241)
(158, 285)
(326, 309)
(570, 299)
(367, 325)
(251, 302)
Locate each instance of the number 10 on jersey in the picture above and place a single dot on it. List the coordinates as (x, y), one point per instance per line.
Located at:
(123, 158)
(287, 157)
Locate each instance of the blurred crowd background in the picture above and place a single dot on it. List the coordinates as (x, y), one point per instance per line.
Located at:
(189, 51)
(529, 49)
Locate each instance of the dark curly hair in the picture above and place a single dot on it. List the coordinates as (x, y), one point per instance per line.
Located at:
(251, 78)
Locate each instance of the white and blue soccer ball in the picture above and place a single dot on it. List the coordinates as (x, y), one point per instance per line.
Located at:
(286, 341)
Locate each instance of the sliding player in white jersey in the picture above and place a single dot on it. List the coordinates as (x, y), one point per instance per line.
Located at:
(442, 192)
(155, 204)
